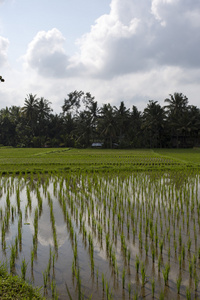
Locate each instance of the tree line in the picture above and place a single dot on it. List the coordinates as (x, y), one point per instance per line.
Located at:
(82, 123)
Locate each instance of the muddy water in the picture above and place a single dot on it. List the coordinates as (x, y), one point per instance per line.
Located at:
(91, 229)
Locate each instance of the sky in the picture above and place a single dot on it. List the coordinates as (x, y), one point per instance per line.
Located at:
(118, 50)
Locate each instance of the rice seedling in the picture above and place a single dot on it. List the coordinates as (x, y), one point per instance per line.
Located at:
(190, 268)
(162, 295)
(178, 283)
(189, 243)
(146, 246)
(129, 290)
(129, 256)
(153, 254)
(16, 246)
(169, 253)
(143, 274)
(45, 279)
(175, 246)
(103, 282)
(20, 234)
(8, 200)
(159, 263)
(165, 273)
(196, 280)
(153, 287)
(12, 259)
(23, 269)
(18, 199)
(28, 194)
(137, 264)
(3, 236)
(188, 293)
(54, 291)
(123, 278)
(183, 251)
(136, 296)
(77, 274)
(180, 261)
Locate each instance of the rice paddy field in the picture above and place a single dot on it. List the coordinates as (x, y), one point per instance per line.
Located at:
(64, 159)
(102, 224)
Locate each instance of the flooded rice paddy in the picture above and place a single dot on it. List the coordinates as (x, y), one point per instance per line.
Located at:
(81, 236)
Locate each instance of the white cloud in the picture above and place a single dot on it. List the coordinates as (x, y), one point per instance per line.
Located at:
(140, 35)
(160, 9)
(135, 36)
(140, 50)
(4, 43)
(46, 54)
(97, 46)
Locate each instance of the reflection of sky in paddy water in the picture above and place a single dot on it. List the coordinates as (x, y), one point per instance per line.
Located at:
(97, 202)
(45, 236)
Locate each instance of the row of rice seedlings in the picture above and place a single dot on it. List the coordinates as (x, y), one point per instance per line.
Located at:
(49, 280)
(20, 231)
(52, 218)
(24, 269)
(35, 236)
(12, 258)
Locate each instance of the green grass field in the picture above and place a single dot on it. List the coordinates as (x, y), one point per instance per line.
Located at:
(66, 159)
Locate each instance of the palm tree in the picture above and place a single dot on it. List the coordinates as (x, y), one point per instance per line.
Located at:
(107, 124)
(122, 118)
(7, 128)
(43, 108)
(153, 123)
(190, 126)
(42, 121)
(30, 110)
(135, 134)
(177, 106)
(177, 103)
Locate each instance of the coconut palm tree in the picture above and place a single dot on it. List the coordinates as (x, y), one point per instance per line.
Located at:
(7, 128)
(122, 115)
(190, 126)
(43, 108)
(30, 110)
(135, 134)
(177, 103)
(107, 125)
(175, 109)
(153, 123)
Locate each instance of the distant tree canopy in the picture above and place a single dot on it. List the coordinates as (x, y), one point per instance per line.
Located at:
(82, 123)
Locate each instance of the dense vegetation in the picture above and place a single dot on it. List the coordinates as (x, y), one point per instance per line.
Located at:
(15, 288)
(82, 123)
